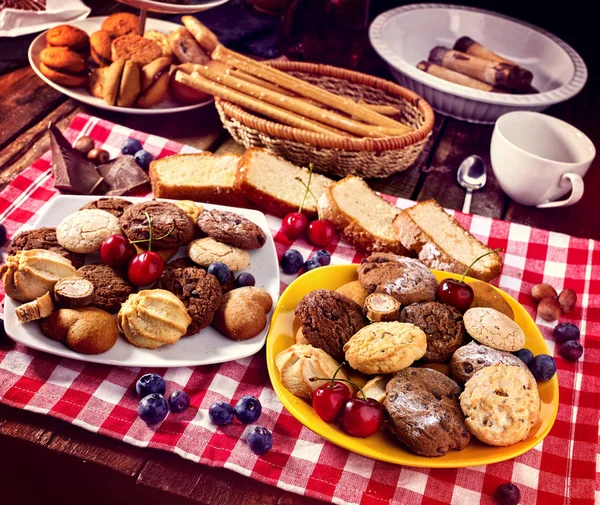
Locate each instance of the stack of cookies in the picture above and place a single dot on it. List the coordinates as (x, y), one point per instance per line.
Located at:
(442, 376)
(63, 281)
(121, 66)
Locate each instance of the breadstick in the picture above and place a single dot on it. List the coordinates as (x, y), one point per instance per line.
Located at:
(386, 110)
(298, 106)
(304, 88)
(452, 76)
(198, 82)
(494, 73)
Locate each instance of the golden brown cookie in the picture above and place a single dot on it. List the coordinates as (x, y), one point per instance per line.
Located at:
(63, 66)
(501, 404)
(121, 23)
(162, 40)
(243, 313)
(354, 291)
(136, 48)
(100, 47)
(67, 36)
(388, 347)
(494, 329)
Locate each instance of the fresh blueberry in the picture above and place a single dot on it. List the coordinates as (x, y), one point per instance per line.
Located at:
(131, 146)
(245, 279)
(508, 494)
(153, 408)
(322, 256)
(2, 234)
(220, 271)
(571, 350)
(260, 440)
(248, 409)
(150, 383)
(291, 261)
(143, 159)
(221, 413)
(179, 401)
(563, 332)
(525, 355)
(311, 264)
(543, 367)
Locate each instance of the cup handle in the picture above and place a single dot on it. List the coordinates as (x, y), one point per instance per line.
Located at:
(574, 197)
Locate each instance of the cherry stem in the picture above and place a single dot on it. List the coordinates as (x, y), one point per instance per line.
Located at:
(342, 380)
(150, 227)
(310, 172)
(159, 238)
(336, 372)
(462, 279)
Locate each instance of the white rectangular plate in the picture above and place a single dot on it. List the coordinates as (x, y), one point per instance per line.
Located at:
(204, 348)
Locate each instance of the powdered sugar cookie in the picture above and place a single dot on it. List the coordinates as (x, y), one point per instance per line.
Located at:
(494, 329)
(85, 230)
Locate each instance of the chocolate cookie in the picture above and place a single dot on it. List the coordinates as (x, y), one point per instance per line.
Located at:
(199, 291)
(183, 262)
(170, 225)
(329, 320)
(443, 326)
(43, 238)
(116, 206)
(231, 229)
(111, 287)
(471, 358)
(406, 279)
(424, 412)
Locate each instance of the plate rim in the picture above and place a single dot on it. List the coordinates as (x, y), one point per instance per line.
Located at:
(546, 98)
(347, 441)
(166, 8)
(85, 99)
(65, 352)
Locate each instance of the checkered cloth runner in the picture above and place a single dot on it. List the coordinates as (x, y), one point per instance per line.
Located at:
(562, 469)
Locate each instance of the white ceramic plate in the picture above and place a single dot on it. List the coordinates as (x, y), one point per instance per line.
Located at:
(204, 348)
(404, 36)
(82, 94)
(167, 8)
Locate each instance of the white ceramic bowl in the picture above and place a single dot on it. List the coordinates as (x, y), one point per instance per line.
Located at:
(404, 36)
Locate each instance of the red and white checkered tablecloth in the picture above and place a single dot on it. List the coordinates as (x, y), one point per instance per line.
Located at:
(560, 470)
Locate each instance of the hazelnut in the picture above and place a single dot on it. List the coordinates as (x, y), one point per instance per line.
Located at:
(98, 156)
(84, 145)
(549, 309)
(540, 291)
(567, 300)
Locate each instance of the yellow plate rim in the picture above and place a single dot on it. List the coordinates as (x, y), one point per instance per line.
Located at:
(360, 446)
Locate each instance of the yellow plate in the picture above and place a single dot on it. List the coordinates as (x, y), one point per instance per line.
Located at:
(382, 446)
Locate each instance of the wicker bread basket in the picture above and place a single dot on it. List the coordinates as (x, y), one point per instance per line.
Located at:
(340, 156)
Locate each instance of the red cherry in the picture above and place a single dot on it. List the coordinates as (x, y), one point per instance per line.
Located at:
(293, 225)
(116, 251)
(361, 418)
(321, 232)
(145, 268)
(455, 293)
(328, 400)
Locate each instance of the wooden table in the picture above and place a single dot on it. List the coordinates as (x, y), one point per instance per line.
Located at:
(51, 459)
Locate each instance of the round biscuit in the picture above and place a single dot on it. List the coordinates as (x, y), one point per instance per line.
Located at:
(85, 230)
(494, 329)
(204, 251)
(501, 404)
(386, 347)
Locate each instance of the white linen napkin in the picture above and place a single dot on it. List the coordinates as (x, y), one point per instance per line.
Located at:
(19, 17)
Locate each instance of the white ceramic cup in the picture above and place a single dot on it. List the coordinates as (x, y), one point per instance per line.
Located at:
(537, 159)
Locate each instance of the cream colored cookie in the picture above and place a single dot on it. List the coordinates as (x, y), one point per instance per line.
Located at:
(85, 230)
(501, 404)
(375, 388)
(299, 364)
(354, 291)
(387, 347)
(205, 251)
(494, 329)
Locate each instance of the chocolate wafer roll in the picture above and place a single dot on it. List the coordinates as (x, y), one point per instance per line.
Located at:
(494, 73)
(469, 46)
(455, 77)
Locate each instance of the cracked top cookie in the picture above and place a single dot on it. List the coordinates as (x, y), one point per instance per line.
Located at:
(111, 287)
(443, 326)
(171, 227)
(232, 229)
(116, 206)
(205, 251)
(406, 279)
(494, 329)
(329, 320)
(84, 231)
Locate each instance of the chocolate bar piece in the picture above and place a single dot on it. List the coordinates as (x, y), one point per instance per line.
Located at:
(122, 175)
